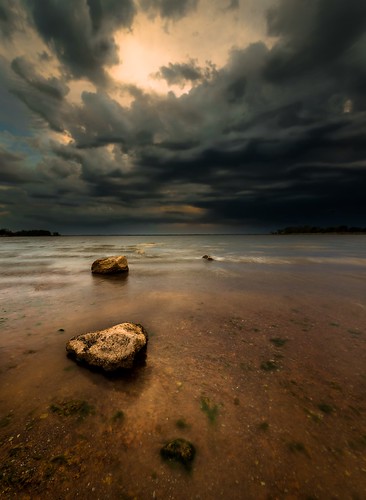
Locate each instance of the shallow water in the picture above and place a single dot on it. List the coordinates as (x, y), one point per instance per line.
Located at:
(295, 431)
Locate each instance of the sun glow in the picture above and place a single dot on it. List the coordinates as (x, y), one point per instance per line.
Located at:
(154, 42)
(141, 54)
(180, 209)
(140, 61)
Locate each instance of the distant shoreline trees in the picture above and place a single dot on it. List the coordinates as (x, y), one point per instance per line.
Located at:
(321, 230)
(31, 232)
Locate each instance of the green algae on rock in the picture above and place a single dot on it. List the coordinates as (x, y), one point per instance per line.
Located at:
(179, 450)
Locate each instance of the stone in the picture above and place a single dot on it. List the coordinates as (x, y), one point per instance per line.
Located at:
(110, 265)
(112, 349)
(179, 450)
(207, 257)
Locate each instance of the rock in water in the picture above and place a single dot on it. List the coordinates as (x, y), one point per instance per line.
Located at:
(207, 257)
(110, 265)
(179, 450)
(110, 349)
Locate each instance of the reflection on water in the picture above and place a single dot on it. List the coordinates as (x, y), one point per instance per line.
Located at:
(119, 280)
(258, 358)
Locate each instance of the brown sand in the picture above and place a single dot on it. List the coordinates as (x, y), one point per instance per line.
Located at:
(292, 428)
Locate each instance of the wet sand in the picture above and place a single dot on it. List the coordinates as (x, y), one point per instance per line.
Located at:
(266, 377)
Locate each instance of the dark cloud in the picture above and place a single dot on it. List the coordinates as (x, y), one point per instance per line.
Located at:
(81, 33)
(11, 19)
(233, 5)
(12, 170)
(274, 137)
(111, 14)
(169, 9)
(180, 73)
(312, 34)
(250, 146)
(44, 97)
(44, 106)
(53, 87)
(14, 117)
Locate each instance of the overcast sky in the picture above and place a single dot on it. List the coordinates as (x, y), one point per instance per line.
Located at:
(135, 116)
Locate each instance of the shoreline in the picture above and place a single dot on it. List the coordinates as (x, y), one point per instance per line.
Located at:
(299, 410)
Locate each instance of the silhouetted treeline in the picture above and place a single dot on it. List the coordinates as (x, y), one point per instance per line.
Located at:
(31, 232)
(321, 230)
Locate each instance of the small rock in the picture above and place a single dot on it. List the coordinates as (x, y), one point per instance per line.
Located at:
(179, 450)
(207, 257)
(110, 265)
(111, 349)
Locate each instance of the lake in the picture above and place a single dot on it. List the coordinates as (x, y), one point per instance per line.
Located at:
(257, 357)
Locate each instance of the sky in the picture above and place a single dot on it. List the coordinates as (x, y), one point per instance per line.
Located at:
(182, 116)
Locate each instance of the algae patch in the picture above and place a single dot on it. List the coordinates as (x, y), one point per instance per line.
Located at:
(5, 421)
(75, 407)
(119, 416)
(278, 341)
(182, 424)
(269, 366)
(208, 407)
(326, 408)
(297, 447)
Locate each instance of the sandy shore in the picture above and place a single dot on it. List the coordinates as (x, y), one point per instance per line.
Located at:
(282, 377)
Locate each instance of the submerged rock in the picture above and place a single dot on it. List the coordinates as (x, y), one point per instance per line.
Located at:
(112, 349)
(207, 257)
(110, 265)
(179, 450)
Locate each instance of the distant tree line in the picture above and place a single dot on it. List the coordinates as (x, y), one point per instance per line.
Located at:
(31, 232)
(321, 230)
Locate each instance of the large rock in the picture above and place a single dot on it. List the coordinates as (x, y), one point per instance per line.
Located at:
(110, 349)
(110, 265)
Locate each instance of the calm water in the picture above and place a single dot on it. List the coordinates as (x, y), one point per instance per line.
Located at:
(39, 277)
(31, 265)
(297, 431)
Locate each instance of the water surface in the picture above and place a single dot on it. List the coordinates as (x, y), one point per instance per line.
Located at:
(286, 421)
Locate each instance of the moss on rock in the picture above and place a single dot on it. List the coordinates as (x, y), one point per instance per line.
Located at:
(179, 450)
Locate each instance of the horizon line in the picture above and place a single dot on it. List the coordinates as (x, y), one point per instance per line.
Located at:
(170, 234)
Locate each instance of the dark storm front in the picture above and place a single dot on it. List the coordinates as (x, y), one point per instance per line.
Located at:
(256, 358)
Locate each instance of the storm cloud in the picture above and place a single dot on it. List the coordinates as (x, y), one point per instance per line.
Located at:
(272, 137)
(180, 73)
(81, 32)
(169, 9)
